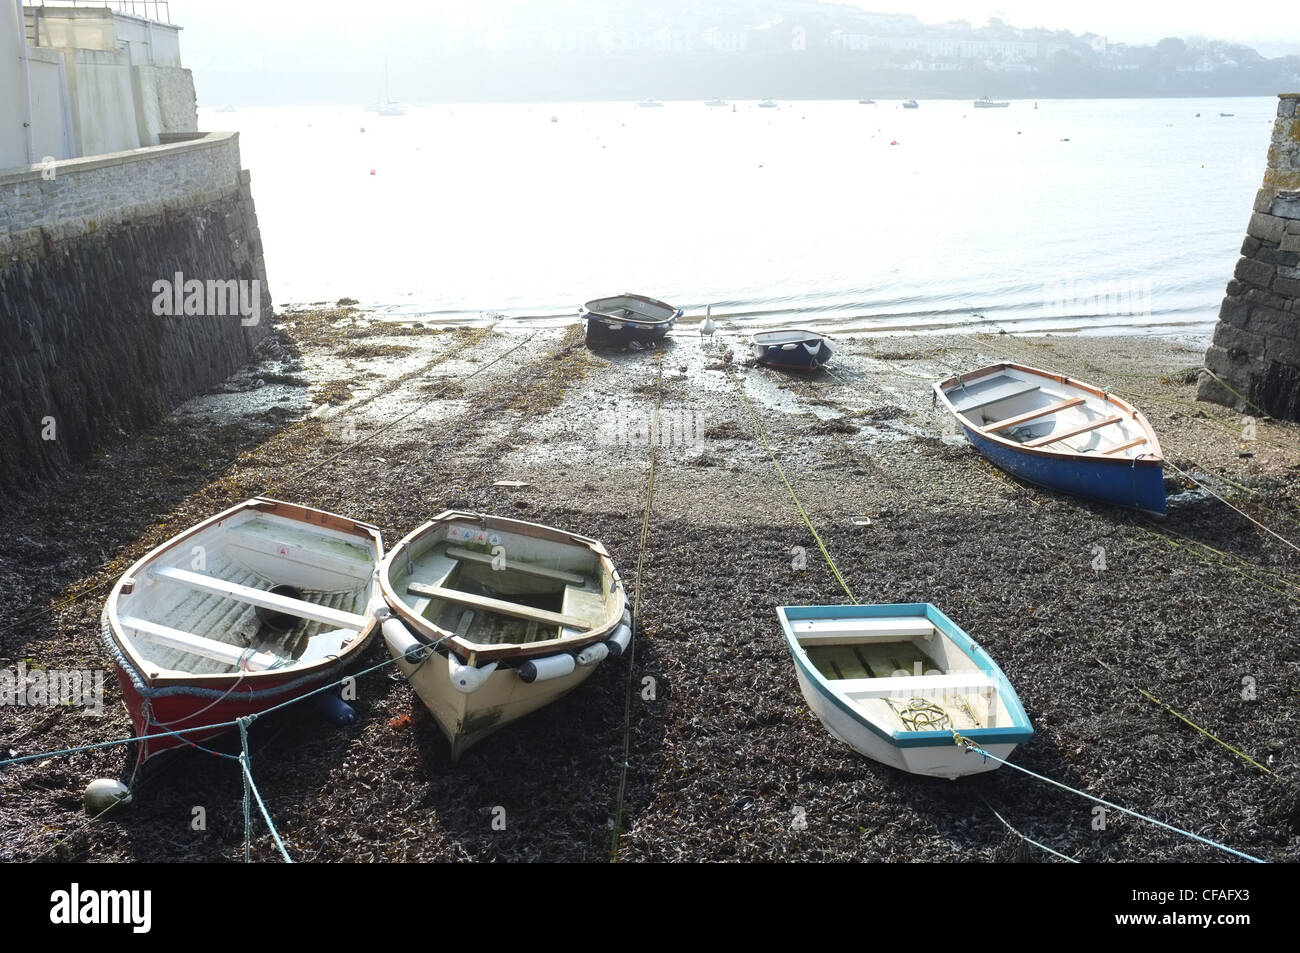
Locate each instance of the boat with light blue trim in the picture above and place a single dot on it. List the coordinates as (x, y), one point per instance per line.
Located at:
(1063, 434)
(902, 684)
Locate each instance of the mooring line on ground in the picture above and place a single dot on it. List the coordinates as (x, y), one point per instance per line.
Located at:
(762, 436)
(241, 723)
(245, 766)
(1231, 507)
(1028, 840)
(973, 748)
(617, 831)
(1227, 560)
(1226, 565)
(1181, 717)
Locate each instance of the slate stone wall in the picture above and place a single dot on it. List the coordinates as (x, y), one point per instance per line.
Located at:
(84, 357)
(1256, 350)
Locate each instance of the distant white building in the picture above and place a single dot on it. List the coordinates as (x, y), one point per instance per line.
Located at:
(671, 40)
(725, 41)
(952, 46)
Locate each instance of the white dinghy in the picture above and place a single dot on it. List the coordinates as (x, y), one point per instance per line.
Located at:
(901, 684)
(247, 610)
(495, 618)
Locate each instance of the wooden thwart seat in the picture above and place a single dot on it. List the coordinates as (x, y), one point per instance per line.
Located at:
(1094, 425)
(260, 597)
(1125, 446)
(1032, 415)
(532, 569)
(199, 645)
(498, 605)
(959, 683)
(844, 631)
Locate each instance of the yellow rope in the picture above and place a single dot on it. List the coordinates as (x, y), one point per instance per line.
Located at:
(758, 428)
(1220, 562)
(617, 832)
(1213, 737)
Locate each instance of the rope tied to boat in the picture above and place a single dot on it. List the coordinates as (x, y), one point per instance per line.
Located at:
(963, 742)
(762, 436)
(972, 747)
(250, 787)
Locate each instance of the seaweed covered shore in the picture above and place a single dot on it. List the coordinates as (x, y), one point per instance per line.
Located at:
(1092, 612)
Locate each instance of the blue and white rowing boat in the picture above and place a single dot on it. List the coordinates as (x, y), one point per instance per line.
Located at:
(1059, 433)
(897, 683)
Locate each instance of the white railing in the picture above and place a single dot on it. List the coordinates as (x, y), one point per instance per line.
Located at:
(161, 9)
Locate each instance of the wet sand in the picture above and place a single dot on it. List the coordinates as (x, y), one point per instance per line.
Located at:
(393, 425)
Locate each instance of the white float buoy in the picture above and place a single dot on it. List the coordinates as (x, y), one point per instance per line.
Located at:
(103, 794)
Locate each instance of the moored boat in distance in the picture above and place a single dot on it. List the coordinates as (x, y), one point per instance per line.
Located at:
(866, 102)
(767, 104)
(493, 618)
(911, 104)
(650, 104)
(252, 608)
(1059, 433)
(715, 101)
(629, 317)
(899, 683)
(794, 348)
(985, 103)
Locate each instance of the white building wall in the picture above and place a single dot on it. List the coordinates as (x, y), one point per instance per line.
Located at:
(13, 105)
(99, 82)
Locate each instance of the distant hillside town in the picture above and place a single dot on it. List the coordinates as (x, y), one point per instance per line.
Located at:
(737, 49)
(891, 41)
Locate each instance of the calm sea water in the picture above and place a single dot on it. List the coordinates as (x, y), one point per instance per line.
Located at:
(1080, 215)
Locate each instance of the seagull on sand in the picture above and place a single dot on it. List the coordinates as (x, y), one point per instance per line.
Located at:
(708, 327)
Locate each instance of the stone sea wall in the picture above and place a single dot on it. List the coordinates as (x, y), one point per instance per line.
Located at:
(1256, 350)
(85, 355)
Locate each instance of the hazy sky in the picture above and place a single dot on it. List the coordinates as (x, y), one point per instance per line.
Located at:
(1270, 21)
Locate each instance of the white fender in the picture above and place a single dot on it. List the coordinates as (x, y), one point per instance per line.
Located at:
(467, 679)
(591, 654)
(401, 643)
(620, 640)
(544, 669)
